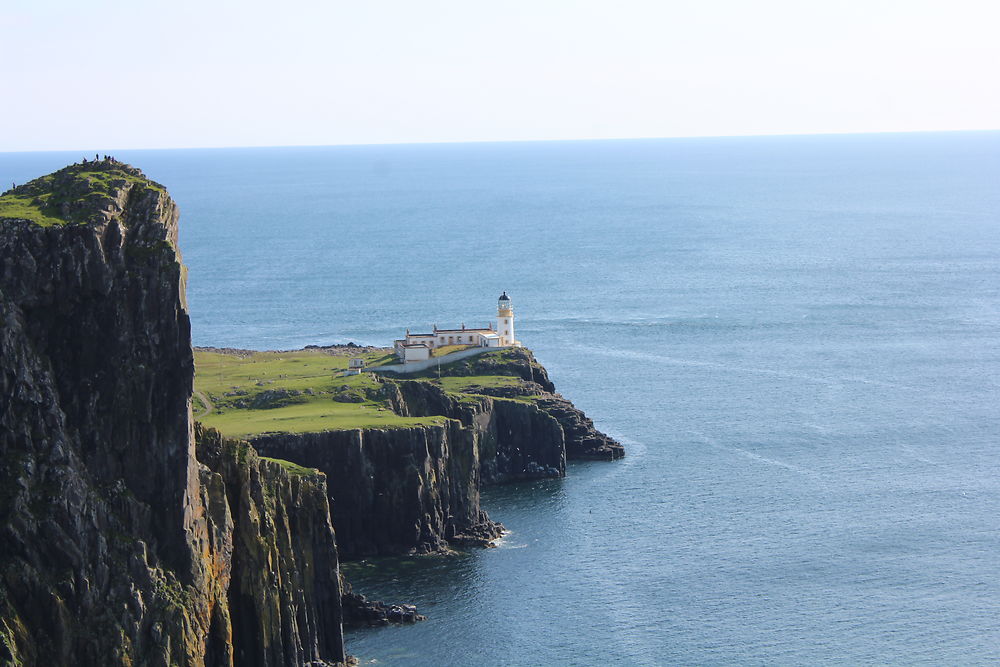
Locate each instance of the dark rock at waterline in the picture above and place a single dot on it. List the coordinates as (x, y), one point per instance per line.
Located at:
(359, 611)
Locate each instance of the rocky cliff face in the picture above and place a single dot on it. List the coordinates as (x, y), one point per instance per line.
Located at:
(583, 440)
(416, 490)
(515, 440)
(284, 595)
(117, 547)
(406, 490)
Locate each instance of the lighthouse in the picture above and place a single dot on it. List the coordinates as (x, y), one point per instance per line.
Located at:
(505, 320)
(419, 346)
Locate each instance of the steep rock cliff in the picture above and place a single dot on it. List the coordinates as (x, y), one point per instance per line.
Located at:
(284, 595)
(582, 439)
(416, 490)
(116, 545)
(515, 439)
(404, 490)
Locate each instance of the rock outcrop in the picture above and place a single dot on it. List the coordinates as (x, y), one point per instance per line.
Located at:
(515, 362)
(359, 611)
(117, 546)
(284, 593)
(515, 439)
(583, 440)
(393, 491)
(416, 489)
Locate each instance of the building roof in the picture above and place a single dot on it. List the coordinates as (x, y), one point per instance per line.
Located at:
(415, 345)
(504, 297)
(461, 330)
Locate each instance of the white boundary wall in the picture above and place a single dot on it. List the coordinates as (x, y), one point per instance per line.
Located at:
(418, 366)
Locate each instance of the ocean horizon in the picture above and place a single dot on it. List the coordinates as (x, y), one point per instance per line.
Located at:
(796, 338)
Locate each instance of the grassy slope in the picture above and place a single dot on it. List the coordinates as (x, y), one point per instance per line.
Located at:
(218, 374)
(40, 204)
(465, 382)
(292, 468)
(445, 350)
(244, 378)
(459, 376)
(21, 207)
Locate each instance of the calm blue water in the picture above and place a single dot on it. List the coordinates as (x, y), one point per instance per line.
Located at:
(798, 340)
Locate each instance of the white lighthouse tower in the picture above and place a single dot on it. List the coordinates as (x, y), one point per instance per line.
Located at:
(505, 320)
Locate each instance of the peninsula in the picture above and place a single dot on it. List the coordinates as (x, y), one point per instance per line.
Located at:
(405, 455)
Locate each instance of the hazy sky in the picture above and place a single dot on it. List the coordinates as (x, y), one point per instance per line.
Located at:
(105, 74)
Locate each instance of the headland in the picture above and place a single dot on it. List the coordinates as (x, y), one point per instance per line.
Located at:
(134, 535)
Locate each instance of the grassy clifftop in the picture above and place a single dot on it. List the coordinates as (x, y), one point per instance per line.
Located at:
(76, 194)
(244, 393)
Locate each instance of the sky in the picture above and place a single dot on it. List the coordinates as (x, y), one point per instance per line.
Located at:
(115, 74)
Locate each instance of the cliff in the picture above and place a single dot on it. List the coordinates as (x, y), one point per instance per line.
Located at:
(514, 439)
(415, 489)
(118, 546)
(284, 593)
(582, 439)
(403, 490)
(129, 536)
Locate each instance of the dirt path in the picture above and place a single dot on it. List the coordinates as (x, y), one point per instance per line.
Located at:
(204, 401)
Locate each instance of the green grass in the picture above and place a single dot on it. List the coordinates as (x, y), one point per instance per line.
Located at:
(332, 402)
(293, 468)
(22, 207)
(384, 360)
(448, 349)
(319, 414)
(306, 392)
(464, 388)
(462, 383)
(41, 200)
(218, 373)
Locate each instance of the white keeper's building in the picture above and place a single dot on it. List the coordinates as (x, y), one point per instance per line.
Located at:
(418, 346)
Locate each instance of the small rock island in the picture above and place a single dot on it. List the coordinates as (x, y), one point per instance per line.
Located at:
(133, 534)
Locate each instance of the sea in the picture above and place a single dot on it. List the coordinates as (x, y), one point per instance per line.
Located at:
(797, 339)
